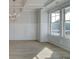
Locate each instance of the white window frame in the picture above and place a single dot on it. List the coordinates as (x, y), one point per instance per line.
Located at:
(62, 21)
(50, 23)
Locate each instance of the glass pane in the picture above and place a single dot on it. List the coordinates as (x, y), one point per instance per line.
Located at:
(57, 18)
(55, 28)
(57, 13)
(67, 22)
(55, 24)
(67, 16)
(53, 19)
(67, 13)
(53, 14)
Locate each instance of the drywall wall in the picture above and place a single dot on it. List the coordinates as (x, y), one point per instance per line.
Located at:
(25, 25)
(42, 26)
(24, 28)
(60, 41)
(38, 24)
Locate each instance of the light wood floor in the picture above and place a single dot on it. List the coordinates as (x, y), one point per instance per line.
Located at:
(35, 50)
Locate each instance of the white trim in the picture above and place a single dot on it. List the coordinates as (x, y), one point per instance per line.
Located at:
(62, 20)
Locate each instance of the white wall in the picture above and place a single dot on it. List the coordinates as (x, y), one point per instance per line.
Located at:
(38, 24)
(59, 41)
(42, 26)
(24, 28)
(25, 25)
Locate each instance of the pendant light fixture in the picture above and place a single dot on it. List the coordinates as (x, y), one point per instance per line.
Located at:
(16, 9)
(13, 15)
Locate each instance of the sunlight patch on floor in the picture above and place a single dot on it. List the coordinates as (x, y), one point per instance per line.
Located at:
(45, 53)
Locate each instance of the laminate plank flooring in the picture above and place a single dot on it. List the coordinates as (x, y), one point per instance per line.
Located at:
(22, 49)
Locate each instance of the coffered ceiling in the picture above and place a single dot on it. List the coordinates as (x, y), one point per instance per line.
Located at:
(32, 4)
(16, 4)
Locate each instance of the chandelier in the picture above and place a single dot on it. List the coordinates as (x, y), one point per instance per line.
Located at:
(14, 13)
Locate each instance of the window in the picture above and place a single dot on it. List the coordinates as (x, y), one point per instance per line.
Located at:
(62, 27)
(55, 23)
(67, 22)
